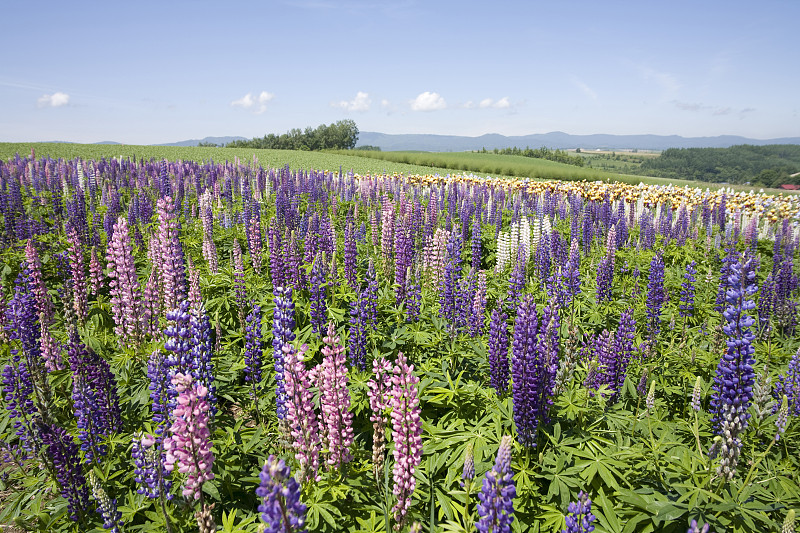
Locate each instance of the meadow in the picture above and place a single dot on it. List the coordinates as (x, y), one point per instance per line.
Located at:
(194, 340)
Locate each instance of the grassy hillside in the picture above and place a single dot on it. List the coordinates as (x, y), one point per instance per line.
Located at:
(359, 161)
(518, 166)
(266, 158)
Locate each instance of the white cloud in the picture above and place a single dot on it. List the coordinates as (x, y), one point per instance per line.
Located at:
(490, 103)
(361, 102)
(259, 103)
(428, 101)
(53, 100)
(245, 101)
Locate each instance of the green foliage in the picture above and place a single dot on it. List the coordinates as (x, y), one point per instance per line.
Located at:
(645, 471)
(559, 156)
(341, 135)
(769, 165)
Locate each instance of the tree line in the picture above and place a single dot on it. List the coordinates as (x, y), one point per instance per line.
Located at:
(341, 135)
(559, 156)
(768, 166)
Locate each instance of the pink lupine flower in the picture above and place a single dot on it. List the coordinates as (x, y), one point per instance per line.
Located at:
(337, 420)
(406, 434)
(189, 443)
(171, 262)
(79, 296)
(126, 303)
(378, 395)
(43, 303)
(95, 272)
(300, 414)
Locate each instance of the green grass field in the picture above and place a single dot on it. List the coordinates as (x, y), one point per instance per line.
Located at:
(266, 158)
(360, 162)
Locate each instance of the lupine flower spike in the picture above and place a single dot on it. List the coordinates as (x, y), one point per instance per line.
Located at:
(496, 507)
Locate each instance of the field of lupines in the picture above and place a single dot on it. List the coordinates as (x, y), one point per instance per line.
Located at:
(225, 347)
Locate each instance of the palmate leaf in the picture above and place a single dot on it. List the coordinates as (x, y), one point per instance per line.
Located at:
(605, 513)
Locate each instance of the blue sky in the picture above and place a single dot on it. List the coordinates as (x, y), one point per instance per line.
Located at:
(150, 72)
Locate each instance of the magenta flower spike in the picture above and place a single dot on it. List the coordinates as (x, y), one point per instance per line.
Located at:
(189, 445)
(406, 434)
(126, 303)
(337, 420)
(300, 415)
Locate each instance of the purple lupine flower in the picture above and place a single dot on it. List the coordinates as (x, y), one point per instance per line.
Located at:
(17, 395)
(450, 281)
(149, 472)
(403, 250)
(63, 453)
(350, 254)
(300, 413)
(524, 367)
(605, 270)
(413, 295)
(766, 304)
(498, 350)
(579, 515)
(279, 492)
(80, 298)
(477, 249)
(496, 507)
(178, 343)
(318, 304)
(95, 399)
(623, 350)
(276, 265)
(282, 334)
(201, 366)
(106, 507)
(731, 257)
(694, 527)
(543, 257)
(655, 296)
(788, 385)
(253, 351)
(733, 383)
(357, 336)
(126, 303)
(334, 399)
(688, 290)
(406, 434)
(189, 443)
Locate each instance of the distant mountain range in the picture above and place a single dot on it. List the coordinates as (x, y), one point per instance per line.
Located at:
(555, 139)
